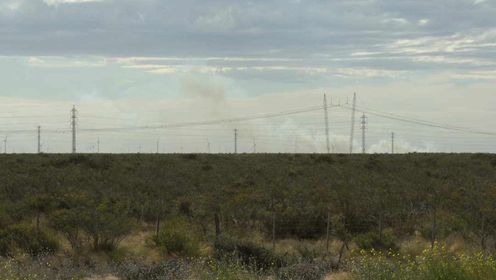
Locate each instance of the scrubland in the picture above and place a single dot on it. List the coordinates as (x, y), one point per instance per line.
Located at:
(248, 216)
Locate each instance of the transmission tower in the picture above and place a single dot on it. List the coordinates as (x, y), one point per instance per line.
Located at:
(392, 142)
(352, 123)
(363, 127)
(39, 139)
(328, 146)
(235, 140)
(73, 127)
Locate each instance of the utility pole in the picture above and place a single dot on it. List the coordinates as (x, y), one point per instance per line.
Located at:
(392, 142)
(363, 127)
(98, 145)
(5, 145)
(39, 139)
(158, 146)
(254, 147)
(73, 126)
(328, 146)
(208, 146)
(352, 123)
(235, 140)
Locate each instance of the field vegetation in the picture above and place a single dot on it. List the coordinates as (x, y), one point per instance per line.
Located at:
(249, 216)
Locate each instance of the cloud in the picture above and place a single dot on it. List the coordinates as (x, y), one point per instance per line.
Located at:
(59, 2)
(220, 20)
(235, 28)
(400, 146)
(63, 62)
(477, 2)
(228, 57)
(423, 22)
(396, 21)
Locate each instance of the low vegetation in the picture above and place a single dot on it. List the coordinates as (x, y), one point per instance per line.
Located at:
(190, 216)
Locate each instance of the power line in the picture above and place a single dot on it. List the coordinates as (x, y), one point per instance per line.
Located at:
(422, 122)
(352, 123)
(210, 122)
(273, 133)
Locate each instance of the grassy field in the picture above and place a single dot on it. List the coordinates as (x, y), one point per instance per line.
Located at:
(248, 216)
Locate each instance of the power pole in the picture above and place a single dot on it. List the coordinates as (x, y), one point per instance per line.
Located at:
(392, 142)
(73, 126)
(98, 145)
(363, 127)
(328, 146)
(39, 139)
(208, 145)
(158, 146)
(5, 145)
(352, 123)
(254, 147)
(235, 140)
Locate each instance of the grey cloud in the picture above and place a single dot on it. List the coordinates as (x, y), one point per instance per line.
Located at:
(195, 27)
(314, 34)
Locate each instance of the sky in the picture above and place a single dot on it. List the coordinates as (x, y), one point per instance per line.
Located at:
(129, 64)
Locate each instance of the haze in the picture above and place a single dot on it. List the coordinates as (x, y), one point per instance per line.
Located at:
(126, 64)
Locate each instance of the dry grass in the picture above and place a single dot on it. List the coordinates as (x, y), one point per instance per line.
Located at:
(338, 276)
(456, 244)
(105, 277)
(138, 244)
(414, 246)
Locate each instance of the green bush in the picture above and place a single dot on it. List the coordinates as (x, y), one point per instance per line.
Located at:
(248, 252)
(176, 237)
(372, 240)
(27, 239)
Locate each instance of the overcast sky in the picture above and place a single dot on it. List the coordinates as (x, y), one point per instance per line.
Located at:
(127, 63)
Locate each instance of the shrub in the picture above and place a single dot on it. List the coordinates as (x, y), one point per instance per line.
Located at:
(177, 238)
(302, 271)
(27, 239)
(248, 252)
(105, 220)
(171, 241)
(372, 240)
(137, 270)
(306, 252)
(225, 270)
